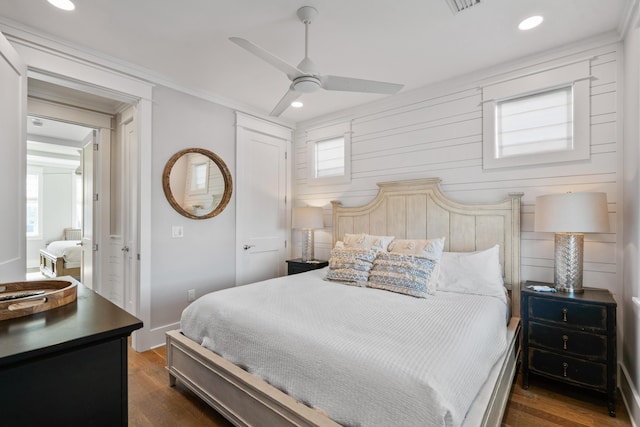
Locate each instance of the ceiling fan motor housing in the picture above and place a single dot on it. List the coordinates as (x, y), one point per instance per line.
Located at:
(306, 84)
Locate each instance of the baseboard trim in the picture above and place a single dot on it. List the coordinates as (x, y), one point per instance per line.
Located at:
(630, 396)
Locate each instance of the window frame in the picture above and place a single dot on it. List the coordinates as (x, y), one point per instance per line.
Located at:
(316, 136)
(39, 171)
(577, 76)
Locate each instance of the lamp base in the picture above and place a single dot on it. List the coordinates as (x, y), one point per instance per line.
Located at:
(568, 262)
(307, 245)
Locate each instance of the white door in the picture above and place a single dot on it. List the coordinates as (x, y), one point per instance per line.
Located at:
(88, 210)
(261, 211)
(130, 214)
(13, 123)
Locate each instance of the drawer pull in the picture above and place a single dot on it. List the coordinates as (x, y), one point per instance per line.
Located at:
(564, 342)
(564, 314)
(565, 365)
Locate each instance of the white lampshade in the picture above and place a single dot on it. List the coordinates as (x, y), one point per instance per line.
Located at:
(307, 217)
(569, 215)
(572, 213)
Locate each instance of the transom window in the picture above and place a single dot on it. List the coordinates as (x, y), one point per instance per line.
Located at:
(329, 158)
(539, 118)
(539, 123)
(329, 154)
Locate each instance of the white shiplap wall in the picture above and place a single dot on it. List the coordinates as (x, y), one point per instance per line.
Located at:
(437, 132)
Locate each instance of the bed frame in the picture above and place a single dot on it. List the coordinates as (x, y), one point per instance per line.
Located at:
(52, 265)
(414, 209)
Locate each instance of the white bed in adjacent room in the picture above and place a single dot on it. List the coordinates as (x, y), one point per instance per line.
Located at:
(301, 350)
(62, 257)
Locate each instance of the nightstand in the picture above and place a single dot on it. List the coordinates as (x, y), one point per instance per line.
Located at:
(296, 265)
(570, 338)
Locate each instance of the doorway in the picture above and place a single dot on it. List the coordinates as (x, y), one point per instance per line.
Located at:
(98, 212)
(54, 196)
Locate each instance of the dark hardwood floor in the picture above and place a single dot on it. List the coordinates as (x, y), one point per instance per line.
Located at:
(546, 403)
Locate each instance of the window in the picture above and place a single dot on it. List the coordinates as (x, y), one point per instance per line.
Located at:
(538, 123)
(537, 119)
(329, 158)
(77, 200)
(34, 202)
(199, 178)
(329, 155)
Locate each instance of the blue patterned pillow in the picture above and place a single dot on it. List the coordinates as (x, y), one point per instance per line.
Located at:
(405, 274)
(350, 266)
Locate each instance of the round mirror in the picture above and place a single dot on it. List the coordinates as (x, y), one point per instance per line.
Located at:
(197, 183)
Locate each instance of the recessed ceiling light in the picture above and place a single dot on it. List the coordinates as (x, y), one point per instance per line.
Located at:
(63, 4)
(296, 104)
(530, 22)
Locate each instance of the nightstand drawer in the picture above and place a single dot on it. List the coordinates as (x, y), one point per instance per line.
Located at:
(566, 368)
(566, 341)
(583, 316)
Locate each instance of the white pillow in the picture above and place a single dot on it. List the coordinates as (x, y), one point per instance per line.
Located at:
(367, 241)
(424, 248)
(477, 273)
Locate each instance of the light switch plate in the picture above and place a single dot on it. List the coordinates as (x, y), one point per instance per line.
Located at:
(177, 231)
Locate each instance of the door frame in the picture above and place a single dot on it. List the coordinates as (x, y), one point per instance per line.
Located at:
(55, 63)
(102, 123)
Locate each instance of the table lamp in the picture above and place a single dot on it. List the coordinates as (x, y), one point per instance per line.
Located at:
(307, 219)
(569, 216)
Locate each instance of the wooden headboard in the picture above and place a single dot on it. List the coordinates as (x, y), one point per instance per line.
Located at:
(417, 209)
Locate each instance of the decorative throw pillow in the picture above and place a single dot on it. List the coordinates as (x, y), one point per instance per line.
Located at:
(367, 241)
(472, 272)
(350, 266)
(425, 248)
(405, 274)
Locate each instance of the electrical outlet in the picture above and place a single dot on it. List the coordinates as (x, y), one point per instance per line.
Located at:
(191, 295)
(177, 231)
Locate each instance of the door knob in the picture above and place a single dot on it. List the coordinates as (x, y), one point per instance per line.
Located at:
(247, 247)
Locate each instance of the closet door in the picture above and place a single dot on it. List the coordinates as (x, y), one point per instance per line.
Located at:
(261, 207)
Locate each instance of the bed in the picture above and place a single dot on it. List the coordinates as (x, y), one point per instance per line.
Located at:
(414, 209)
(62, 257)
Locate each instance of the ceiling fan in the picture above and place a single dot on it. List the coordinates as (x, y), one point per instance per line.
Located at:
(305, 77)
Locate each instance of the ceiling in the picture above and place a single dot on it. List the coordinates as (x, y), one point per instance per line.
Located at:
(184, 44)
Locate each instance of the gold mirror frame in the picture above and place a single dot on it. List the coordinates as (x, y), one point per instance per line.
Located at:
(226, 175)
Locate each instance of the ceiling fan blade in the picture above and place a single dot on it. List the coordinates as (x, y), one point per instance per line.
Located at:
(289, 70)
(285, 102)
(349, 84)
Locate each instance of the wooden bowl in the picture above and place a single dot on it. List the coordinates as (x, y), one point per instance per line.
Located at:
(24, 298)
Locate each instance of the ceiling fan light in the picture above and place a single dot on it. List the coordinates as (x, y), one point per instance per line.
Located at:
(530, 23)
(63, 4)
(297, 104)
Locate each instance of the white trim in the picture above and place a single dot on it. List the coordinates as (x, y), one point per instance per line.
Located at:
(324, 133)
(630, 396)
(260, 125)
(577, 74)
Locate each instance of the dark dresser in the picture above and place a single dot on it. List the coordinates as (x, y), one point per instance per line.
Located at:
(570, 338)
(66, 366)
(297, 265)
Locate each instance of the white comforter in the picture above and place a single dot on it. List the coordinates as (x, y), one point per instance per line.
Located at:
(364, 356)
(70, 250)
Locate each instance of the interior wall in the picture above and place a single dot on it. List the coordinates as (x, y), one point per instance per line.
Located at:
(437, 132)
(204, 259)
(57, 210)
(630, 364)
